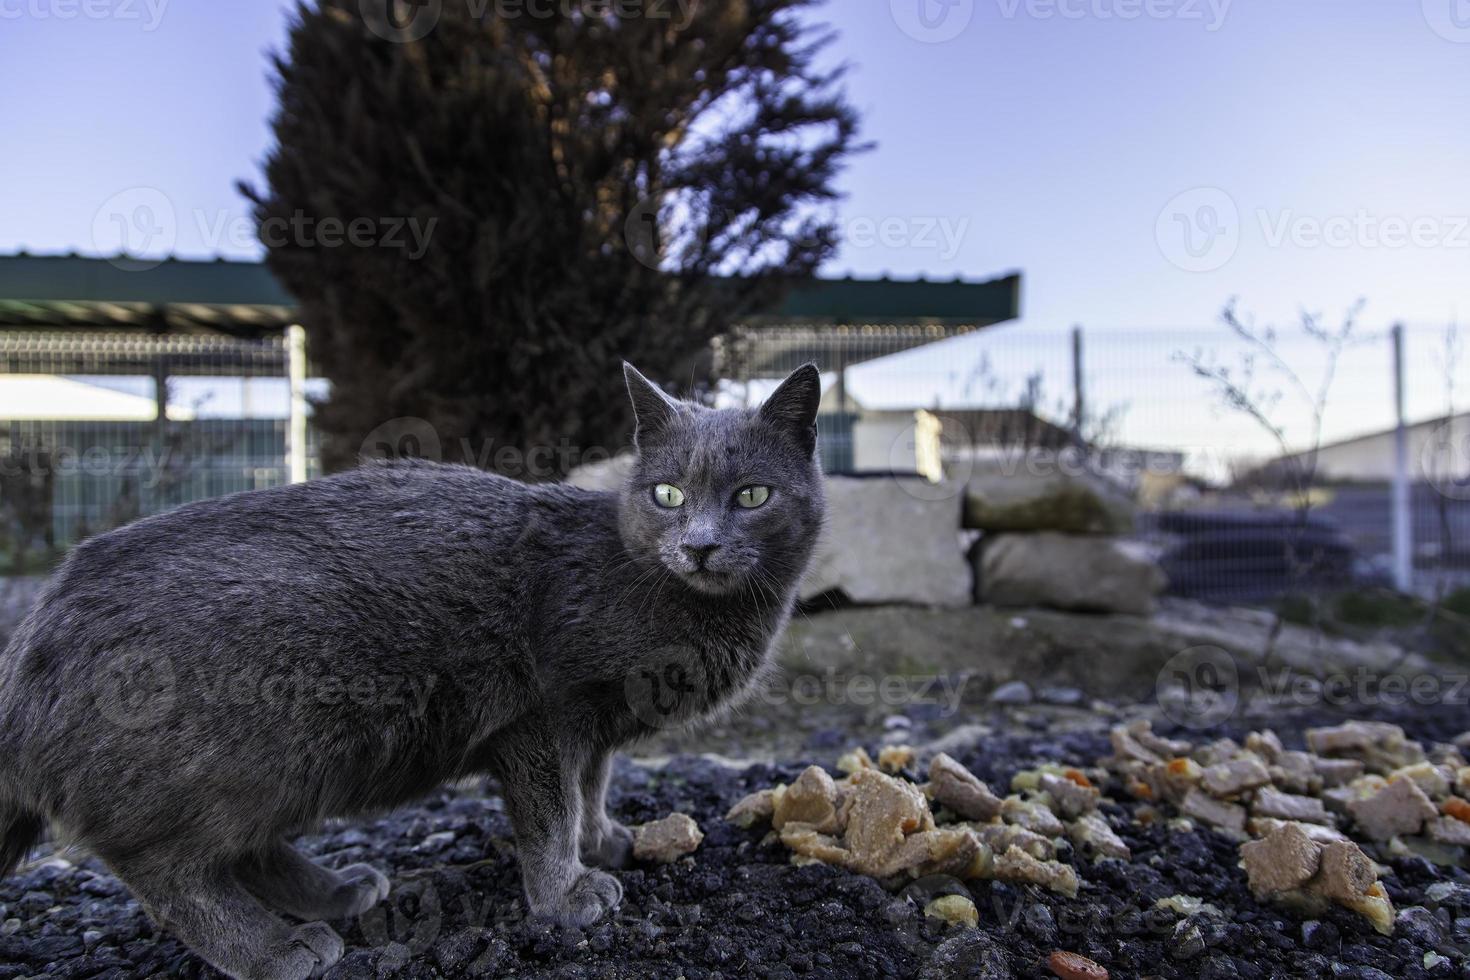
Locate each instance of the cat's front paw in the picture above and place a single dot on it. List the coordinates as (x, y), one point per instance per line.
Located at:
(308, 950)
(591, 896)
(612, 847)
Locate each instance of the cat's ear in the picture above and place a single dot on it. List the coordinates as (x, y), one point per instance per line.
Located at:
(652, 408)
(792, 407)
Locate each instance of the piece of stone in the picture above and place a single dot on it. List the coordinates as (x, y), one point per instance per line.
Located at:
(1001, 837)
(1092, 835)
(1336, 772)
(807, 843)
(1462, 781)
(1339, 798)
(1321, 833)
(1012, 692)
(954, 909)
(1172, 780)
(1352, 736)
(889, 540)
(1129, 748)
(1374, 906)
(1217, 751)
(1271, 802)
(952, 851)
(943, 851)
(1032, 816)
(1075, 503)
(1075, 966)
(1448, 755)
(1345, 872)
(1283, 861)
(1434, 781)
(1265, 744)
(1399, 808)
(948, 850)
(1229, 779)
(1070, 798)
(1062, 696)
(811, 799)
(1164, 748)
(1015, 865)
(854, 759)
(880, 811)
(953, 786)
(1203, 806)
(666, 840)
(1293, 772)
(1062, 571)
(894, 759)
(604, 474)
(757, 808)
(1448, 830)
(1380, 746)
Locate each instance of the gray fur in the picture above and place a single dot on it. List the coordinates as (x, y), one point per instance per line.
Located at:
(195, 689)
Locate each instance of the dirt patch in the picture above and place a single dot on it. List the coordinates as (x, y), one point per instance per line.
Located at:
(1181, 907)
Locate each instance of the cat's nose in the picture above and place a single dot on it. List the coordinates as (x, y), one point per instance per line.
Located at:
(700, 553)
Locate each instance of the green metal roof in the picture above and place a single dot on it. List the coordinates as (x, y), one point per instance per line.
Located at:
(244, 298)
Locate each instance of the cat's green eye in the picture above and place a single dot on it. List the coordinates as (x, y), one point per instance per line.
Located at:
(668, 495)
(752, 497)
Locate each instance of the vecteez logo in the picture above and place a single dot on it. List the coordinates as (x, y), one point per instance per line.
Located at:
(137, 228)
(932, 21)
(401, 21)
(1199, 229)
(1450, 19)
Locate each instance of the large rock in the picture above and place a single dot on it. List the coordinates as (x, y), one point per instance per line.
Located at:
(603, 474)
(1106, 656)
(1062, 571)
(1076, 504)
(891, 539)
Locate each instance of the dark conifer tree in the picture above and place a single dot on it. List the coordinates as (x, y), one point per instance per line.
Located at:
(589, 181)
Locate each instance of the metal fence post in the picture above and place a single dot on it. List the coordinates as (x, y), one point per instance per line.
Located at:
(1403, 556)
(296, 431)
(1078, 395)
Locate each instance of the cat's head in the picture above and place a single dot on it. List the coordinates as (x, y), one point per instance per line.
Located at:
(725, 499)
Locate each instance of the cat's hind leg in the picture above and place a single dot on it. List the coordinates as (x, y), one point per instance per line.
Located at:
(209, 911)
(285, 878)
(605, 843)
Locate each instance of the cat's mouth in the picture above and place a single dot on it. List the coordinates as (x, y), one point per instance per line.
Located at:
(709, 581)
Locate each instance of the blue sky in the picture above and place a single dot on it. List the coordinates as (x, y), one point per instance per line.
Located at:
(1141, 160)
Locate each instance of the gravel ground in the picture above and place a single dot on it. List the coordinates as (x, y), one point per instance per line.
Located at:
(738, 908)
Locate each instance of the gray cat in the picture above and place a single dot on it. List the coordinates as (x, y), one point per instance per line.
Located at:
(193, 690)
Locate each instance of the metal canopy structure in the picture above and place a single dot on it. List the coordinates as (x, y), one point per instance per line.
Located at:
(241, 298)
(109, 315)
(69, 292)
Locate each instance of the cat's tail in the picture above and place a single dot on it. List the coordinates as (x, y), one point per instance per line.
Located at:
(19, 832)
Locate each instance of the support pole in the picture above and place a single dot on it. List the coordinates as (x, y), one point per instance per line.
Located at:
(296, 423)
(1403, 555)
(162, 454)
(1079, 401)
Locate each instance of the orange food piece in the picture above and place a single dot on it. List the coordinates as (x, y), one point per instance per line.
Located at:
(1141, 790)
(1178, 767)
(1457, 808)
(1078, 777)
(1073, 966)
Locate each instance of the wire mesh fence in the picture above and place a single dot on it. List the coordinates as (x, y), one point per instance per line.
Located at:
(97, 429)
